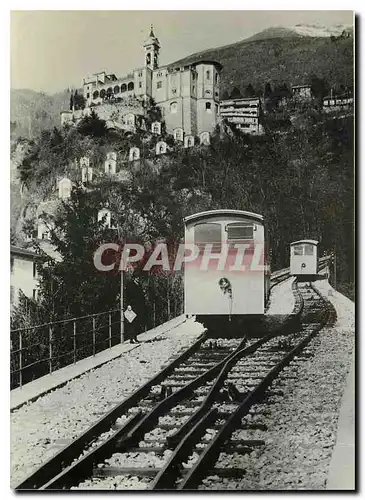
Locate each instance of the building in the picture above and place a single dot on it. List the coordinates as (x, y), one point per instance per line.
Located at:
(301, 92)
(245, 113)
(188, 95)
(337, 103)
(23, 273)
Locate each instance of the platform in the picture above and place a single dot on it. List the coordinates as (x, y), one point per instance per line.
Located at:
(36, 388)
(342, 467)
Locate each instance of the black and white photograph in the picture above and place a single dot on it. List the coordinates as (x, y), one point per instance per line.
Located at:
(182, 250)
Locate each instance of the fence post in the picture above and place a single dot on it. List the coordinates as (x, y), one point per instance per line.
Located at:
(20, 358)
(74, 341)
(93, 335)
(110, 329)
(50, 347)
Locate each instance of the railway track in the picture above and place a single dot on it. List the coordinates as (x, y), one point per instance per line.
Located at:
(170, 432)
(178, 380)
(221, 451)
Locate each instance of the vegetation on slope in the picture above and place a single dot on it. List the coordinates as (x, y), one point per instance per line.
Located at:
(291, 59)
(301, 180)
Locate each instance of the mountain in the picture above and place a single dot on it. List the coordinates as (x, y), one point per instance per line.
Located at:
(282, 55)
(321, 30)
(301, 30)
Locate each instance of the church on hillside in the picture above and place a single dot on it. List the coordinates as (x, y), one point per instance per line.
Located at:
(188, 95)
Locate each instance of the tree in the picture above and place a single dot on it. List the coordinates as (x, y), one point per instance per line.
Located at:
(30, 159)
(282, 91)
(236, 93)
(249, 91)
(267, 91)
(225, 96)
(92, 125)
(75, 235)
(319, 87)
(78, 101)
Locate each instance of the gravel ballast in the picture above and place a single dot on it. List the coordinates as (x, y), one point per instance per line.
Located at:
(40, 429)
(302, 424)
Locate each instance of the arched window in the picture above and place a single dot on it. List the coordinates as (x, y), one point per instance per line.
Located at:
(216, 78)
(130, 86)
(148, 58)
(123, 87)
(116, 89)
(173, 107)
(207, 73)
(189, 141)
(102, 93)
(208, 107)
(95, 94)
(109, 91)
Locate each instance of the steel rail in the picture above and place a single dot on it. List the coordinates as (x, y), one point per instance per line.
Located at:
(184, 440)
(54, 471)
(129, 436)
(212, 451)
(64, 457)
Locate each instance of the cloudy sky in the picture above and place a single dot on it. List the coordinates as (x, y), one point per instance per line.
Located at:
(51, 50)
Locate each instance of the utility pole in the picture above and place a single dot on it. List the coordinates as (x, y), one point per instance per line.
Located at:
(121, 306)
(121, 290)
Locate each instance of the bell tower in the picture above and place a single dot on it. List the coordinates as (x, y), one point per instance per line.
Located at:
(152, 49)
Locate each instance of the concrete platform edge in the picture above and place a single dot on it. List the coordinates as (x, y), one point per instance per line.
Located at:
(60, 377)
(341, 474)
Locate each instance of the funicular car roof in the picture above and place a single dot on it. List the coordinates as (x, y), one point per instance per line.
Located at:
(224, 213)
(299, 242)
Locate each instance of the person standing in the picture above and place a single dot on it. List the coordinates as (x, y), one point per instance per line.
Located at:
(131, 324)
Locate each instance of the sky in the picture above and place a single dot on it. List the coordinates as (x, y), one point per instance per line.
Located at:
(52, 50)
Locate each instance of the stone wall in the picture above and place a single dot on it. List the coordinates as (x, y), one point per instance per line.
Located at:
(116, 111)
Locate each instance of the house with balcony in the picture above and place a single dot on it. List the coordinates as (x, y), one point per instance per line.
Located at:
(244, 112)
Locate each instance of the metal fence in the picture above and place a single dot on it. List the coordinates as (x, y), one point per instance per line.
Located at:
(38, 350)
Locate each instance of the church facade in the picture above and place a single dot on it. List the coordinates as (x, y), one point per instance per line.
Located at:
(188, 95)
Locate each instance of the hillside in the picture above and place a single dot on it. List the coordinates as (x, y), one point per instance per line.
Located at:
(31, 112)
(275, 54)
(291, 58)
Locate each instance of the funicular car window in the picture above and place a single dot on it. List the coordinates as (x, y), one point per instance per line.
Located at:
(298, 250)
(308, 250)
(208, 233)
(239, 231)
